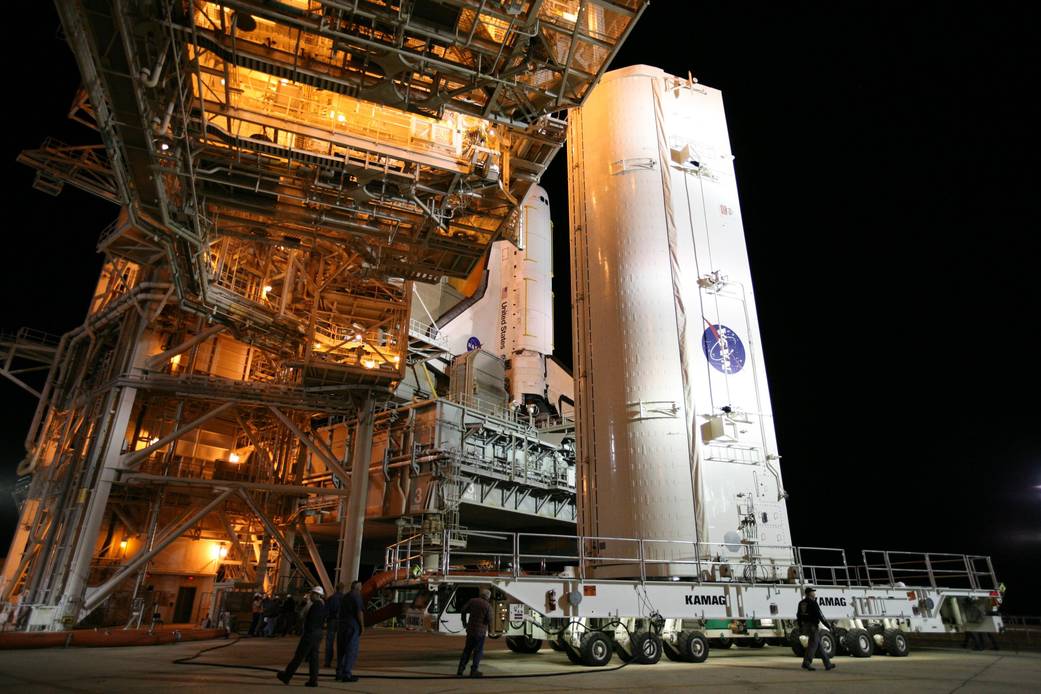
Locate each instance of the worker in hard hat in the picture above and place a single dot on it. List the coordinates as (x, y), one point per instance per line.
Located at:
(257, 609)
(310, 639)
(810, 618)
(477, 618)
(352, 626)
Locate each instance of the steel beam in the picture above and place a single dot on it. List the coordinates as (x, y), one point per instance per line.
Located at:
(132, 459)
(350, 547)
(311, 445)
(98, 595)
(274, 532)
(316, 558)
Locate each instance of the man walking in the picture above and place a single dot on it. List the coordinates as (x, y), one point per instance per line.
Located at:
(352, 626)
(332, 630)
(310, 640)
(810, 617)
(477, 617)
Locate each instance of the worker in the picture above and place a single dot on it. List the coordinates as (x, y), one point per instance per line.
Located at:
(352, 626)
(286, 615)
(810, 617)
(477, 618)
(332, 630)
(310, 639)
(258, 613)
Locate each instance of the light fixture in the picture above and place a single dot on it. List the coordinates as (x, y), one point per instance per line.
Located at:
(175, 360)
(164, 146)
(332, 114)
(570, 16)
(153, 441)
(341, 118)
(265, 290)
(234, 458)
(123, 545)
(219, 551)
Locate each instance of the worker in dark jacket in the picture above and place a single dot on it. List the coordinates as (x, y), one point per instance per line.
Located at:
(810, 618)
(477, 618)
(310, 639)
(332, 615)
(352, 626)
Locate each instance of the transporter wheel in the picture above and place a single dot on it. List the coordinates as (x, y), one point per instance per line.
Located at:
(840, 640)
(693, 646)
(877, 633)
(827, 641)
(860, 643)
(646, 648)
(556, 645)
(574, 656)
(757, 642)
(722, 642)
(596, 649)
(523, 644)
(896, 643)
(672, 651)
(796, 644)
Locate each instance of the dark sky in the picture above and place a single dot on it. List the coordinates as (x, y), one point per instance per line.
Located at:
(886, 158)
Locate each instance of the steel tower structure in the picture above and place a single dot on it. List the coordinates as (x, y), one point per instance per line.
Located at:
(284, 171)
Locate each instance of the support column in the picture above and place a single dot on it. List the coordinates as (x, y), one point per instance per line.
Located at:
(350, 552)
(265, 549)
(79, 568)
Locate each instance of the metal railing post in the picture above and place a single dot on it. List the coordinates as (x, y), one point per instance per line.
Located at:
(643, 568)
(867, 568)
(973, 583)
(516, 553)
(929, 570)
(581, 558)
(993, 577)
(889, 567)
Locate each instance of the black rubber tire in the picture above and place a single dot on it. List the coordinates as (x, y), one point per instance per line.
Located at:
(574, 656)
(672, 652)
(556, 645)
(523, 644)
(693, 646)
(896, 643)
(646, 648)
(877, 633)
(827, 641)
(840, 640)
(793, 641)
(757, 642)
(859, 643)
(722, 643)
(596, 649)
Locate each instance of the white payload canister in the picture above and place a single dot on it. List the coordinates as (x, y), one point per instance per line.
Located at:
(676, 441)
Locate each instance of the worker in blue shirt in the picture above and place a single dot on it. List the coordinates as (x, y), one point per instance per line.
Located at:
(332, 629)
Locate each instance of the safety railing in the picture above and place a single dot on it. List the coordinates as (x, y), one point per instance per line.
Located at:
(927, 570)
(465, 552)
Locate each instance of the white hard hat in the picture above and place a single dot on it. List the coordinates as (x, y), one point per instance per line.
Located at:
(318, 590)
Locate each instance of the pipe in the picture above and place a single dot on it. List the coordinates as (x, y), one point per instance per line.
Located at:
(150, 78)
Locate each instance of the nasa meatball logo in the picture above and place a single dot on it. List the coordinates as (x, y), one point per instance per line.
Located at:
(705, 599)
(832, 602)
(473, 344)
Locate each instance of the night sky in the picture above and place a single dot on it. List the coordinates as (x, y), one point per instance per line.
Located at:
(886, 158)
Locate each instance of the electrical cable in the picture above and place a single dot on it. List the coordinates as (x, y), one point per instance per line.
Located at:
(188, 660)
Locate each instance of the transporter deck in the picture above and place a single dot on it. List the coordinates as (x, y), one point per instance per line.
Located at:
(542, 590)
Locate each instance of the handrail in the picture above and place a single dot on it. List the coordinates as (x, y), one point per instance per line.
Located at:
(510, 553)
